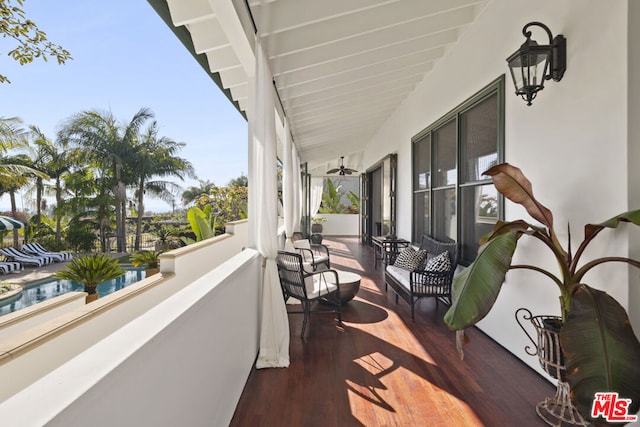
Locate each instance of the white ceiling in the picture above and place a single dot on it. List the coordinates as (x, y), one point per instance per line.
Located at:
(341, 67)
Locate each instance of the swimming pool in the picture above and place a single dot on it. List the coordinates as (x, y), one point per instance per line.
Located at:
(45, 289)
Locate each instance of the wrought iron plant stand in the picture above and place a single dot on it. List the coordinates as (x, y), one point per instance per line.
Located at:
(558, 410)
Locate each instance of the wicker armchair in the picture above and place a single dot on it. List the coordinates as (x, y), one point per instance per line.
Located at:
(308, 287)
(314, 255)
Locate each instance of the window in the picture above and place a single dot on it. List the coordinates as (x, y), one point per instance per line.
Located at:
(451, 198)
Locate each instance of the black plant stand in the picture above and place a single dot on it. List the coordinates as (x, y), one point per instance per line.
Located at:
(558, 410)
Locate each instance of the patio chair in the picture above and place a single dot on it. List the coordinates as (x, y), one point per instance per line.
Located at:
(308, 287)
(314, 255)
(18, 256)
(39, 250)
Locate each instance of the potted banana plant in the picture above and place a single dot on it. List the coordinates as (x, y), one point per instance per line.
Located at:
(601, 352)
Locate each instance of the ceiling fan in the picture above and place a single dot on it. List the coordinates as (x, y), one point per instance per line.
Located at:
(342, 170)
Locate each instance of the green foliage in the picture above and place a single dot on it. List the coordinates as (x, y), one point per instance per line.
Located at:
(226, 203)
(31, 41)
(148, 259)
(202, 223)
(355, 202)
(80, 236)
(5, 287)
(91, 270)
(241, 181)
(191, 194)
(332, 200)
(596, 335)
(167, 237)
(49, 242)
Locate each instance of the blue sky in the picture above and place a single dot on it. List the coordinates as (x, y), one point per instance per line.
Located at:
(125, 58)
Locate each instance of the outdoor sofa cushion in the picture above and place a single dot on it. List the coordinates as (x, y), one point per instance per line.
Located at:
(410, 259)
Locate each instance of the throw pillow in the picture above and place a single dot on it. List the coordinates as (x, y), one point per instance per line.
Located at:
(410, 259)
(439, 264)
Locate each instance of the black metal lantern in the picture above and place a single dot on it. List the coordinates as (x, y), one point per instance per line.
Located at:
(532, 64)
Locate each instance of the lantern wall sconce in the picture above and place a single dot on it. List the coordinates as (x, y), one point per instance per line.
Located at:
(532, 64)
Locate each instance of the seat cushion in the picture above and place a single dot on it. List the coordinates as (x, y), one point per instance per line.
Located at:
(401, 275)
(320, 284)
(440, 263)
(410, 259)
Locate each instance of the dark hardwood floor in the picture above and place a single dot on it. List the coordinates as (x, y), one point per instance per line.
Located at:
(382, 369)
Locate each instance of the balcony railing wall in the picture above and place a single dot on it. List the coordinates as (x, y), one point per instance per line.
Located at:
(29, 354)
(184, 362)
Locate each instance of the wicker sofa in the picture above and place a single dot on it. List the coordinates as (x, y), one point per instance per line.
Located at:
(420, 283)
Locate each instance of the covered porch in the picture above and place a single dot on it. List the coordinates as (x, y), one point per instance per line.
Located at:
(368, 79)
(384, 369)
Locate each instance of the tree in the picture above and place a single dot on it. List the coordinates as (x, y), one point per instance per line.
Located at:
(111, 147)
(241, 181)
(191, 194)
(14, 170)
(227, 203)
(31, 41)
(12, 135)
(53, 162)
(155, 158)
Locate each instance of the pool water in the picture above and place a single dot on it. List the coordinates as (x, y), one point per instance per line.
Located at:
(43, 290)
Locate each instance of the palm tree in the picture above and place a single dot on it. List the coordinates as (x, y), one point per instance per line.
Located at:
(12, 135)
(89, 202)
(110, 146)
(192, 193)
(52, 160)
(155, 158)
(14, 169)
(241, 181)
(90, 271)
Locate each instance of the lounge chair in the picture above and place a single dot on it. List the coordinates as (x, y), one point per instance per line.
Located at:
(38, 249)
(16, 255)
(10, 266)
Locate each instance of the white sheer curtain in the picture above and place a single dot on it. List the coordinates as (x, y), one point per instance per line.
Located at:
(316, 195)
(274, 330)
(297, 189)
(288, 191)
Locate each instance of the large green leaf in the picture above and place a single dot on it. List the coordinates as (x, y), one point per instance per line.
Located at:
(199, 224)
(475, 289)
(602, 354)
(590, 230)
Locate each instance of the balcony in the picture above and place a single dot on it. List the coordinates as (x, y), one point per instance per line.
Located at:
(187, 359)
(190, 359)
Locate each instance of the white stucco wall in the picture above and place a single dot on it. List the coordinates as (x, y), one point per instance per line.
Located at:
(340, 224)
(634, 154)
(188, 370)
(572, 143)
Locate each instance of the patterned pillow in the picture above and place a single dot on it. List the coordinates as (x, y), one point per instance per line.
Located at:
(410, 259)
(439, 264)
